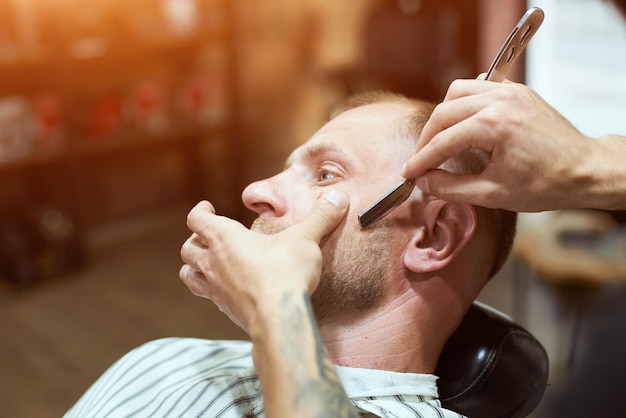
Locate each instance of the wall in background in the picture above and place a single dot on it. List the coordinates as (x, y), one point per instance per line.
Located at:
(577, 62)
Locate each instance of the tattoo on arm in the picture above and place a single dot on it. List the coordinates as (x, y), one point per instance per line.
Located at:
(321, 394)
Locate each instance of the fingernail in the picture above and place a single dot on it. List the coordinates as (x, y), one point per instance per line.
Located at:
(336, 198)
(422, 184)
(403, 169)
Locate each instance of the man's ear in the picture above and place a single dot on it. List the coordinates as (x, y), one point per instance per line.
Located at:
(448, 227)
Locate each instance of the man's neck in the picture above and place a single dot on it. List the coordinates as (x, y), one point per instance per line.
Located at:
(396, 336)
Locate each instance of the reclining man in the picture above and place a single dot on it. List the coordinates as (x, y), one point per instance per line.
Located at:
(343, 321)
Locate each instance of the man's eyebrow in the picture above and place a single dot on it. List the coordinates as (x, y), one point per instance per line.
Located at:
(315, 151)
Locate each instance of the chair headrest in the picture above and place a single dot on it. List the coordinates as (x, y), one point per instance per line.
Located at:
(491, 367)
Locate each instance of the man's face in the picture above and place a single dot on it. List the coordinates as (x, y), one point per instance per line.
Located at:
(360, 153)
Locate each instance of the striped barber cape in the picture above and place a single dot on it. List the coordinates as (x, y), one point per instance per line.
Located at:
(188, 377)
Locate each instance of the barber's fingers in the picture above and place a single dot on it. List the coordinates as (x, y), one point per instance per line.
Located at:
(195, 281)
(324, 217)
(196, 219)
(191, 250)
(192, 273)
(473, 189)
(211, 229)
(450, 114)
(465, 99)
(451, 138)
(469, 87)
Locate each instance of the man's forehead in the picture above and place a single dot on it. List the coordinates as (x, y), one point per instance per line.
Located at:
(374, 123)
(316, 148)
(379, 113)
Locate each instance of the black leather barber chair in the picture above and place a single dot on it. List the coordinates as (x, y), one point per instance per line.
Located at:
(491, 367)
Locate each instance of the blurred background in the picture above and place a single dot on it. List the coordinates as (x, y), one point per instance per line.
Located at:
(117, 117)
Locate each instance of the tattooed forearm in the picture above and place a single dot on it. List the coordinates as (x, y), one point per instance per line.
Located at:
(318, 389)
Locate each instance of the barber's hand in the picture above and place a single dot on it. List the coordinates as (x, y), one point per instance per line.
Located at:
(537, 157)
(246, 273)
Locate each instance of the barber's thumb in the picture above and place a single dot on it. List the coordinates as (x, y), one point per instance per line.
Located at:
(326, 214)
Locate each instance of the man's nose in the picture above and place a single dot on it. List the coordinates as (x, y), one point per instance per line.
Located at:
(265, 197)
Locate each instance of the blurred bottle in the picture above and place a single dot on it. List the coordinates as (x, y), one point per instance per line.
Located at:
(16, 127)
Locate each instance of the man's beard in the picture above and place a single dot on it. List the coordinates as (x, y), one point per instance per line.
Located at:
(352, 279)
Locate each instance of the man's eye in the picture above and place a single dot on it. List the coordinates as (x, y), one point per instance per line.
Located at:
(325, 175)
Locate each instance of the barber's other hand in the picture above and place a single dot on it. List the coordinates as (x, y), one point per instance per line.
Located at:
(245, 273)
(538, 158)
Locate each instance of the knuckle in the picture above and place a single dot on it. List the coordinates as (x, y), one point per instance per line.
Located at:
(456, 84)
(191, 216)
(185, 246)
(453, 88)
(497, 118)
(438, 110)
(507, 94)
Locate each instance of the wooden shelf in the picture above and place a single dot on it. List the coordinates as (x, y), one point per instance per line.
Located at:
(36, 157)
(82, 70)
(87, 147)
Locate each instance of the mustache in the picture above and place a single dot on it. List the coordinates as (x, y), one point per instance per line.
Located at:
(266, 226)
